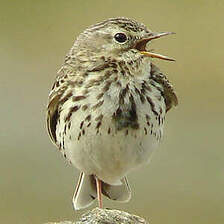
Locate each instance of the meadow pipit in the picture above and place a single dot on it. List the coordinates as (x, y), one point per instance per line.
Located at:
(107, 107)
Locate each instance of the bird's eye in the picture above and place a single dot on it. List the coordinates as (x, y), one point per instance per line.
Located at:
(120, 37)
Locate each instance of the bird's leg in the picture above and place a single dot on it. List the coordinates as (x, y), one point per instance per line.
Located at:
(99, 192)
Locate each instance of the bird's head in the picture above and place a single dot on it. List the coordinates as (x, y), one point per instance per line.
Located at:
(117, 37)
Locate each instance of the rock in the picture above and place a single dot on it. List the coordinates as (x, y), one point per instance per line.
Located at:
(106, 216)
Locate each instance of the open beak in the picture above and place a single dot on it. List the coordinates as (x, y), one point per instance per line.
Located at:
(141, 44)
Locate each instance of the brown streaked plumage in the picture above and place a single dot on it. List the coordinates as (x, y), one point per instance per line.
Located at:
(107, 107)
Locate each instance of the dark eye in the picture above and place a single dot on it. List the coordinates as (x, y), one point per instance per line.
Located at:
(120, 37)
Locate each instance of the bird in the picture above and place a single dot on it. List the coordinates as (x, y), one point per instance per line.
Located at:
(107, 107)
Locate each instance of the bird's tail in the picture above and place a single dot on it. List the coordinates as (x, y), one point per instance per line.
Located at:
(85, 192)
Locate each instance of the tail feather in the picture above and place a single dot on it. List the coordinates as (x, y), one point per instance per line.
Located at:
(120, 193)
(85, 192)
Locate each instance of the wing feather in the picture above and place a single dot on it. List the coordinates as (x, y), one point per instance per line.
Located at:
(168, 90)
(52, 117)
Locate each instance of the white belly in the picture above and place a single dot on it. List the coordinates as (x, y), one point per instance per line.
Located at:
(111, 156)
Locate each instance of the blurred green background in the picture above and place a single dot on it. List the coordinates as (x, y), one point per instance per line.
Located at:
(185, 180)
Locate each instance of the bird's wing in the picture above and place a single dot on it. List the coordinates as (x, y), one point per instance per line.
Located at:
(168, 90)
(54, 103)
(52, 117)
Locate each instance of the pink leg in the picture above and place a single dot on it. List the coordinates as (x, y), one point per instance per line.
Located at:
(99, 192)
